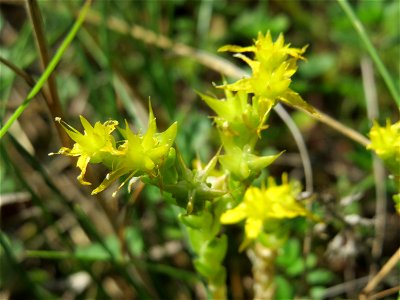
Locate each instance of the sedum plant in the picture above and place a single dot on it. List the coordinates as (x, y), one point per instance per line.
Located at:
(221, 191)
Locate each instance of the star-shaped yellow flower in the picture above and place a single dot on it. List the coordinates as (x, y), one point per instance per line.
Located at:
(141, 154)
(260, 205)
(273, 66)
(95, 145)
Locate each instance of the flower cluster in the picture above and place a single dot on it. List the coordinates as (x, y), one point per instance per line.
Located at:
(136, 155)
(261, 205)
(273, 66)
(242, 114)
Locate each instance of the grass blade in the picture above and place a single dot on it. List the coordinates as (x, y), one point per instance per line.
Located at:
(50, 68)
(371, 50)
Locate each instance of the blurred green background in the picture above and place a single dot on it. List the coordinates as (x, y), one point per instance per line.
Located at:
(56, 239)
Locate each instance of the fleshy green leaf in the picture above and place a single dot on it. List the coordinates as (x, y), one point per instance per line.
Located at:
(294, 99)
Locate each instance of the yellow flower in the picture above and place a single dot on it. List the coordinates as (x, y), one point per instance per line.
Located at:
(385, 141)
(141, 154)
(270, 54)
(137, 155)
(272, 69)
(95, 145)
(260, 205)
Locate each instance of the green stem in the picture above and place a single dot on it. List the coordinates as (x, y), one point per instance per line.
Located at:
(217, 291)
(50, 68)
(58, 255)
(371, 50)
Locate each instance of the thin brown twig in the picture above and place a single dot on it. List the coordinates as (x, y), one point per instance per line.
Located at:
(18, 71)
(341, 288)
(385, 293)
(50, 89)
(372, 284)
(343, 129)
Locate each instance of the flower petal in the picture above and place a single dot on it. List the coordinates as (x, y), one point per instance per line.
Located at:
(253, 228)
(234, 215)
(233, 48)
(110, 178)
(86, 125)
(82, 163)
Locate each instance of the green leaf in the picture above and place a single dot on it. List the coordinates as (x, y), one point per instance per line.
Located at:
(222, 108)
(284, 290)
(39, 276)
(317, 292)
(135, 241)
(250, 22)
(294, 99)
(320, 276)
(311, 260)
(98, 252)
(215, 251)
(290, 253)
(296, 268)
(199, 221)
(273, 240)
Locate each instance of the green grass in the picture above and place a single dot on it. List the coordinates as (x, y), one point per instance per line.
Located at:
(133, 246)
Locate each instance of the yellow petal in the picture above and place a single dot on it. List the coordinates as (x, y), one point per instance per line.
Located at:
(233, 48)
(253, 228)
(71, 131)
(148, 138)
(234, 215)
(82, 163)
(255, 65)
(110, 178)
(86, 125)
(64, 151)
(290, 210)
(240, 85)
